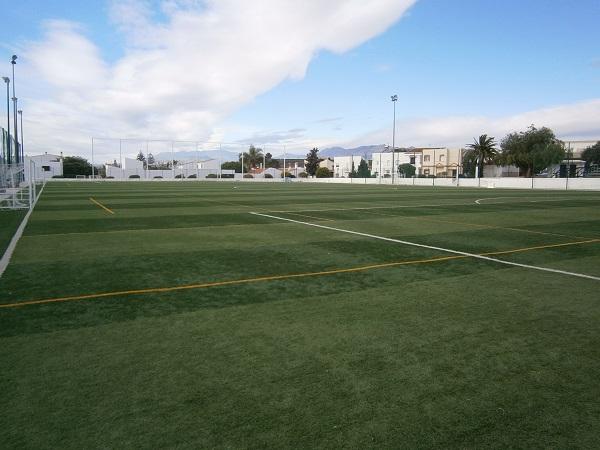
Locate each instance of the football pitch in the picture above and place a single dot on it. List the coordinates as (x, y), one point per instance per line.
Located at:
(198, 314)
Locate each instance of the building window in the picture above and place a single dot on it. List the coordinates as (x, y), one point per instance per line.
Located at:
(412, 160)
(442, 158)
(46, 168)
(426, 158)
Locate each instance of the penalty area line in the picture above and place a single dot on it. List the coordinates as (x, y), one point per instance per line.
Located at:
(432, 247)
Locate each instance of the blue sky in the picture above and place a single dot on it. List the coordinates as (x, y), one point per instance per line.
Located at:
(459, 68)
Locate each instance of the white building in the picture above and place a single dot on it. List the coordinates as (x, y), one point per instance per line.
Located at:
(342, 165)
(43, 166)
(381, 162)
(328, 164)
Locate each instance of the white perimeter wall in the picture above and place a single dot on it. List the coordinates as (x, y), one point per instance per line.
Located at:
(495, 183)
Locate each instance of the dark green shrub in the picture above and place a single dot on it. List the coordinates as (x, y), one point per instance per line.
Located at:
(323, 172)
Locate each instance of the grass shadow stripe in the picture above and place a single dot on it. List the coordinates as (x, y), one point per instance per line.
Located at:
(229, 282)
(442, 249)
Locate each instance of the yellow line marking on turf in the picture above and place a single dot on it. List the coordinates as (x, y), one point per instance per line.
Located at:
(101, 205)
(540, 247)
(282, 277)
(230, 282)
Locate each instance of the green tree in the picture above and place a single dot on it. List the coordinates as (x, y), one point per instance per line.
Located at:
(323, 172)
(270, 162)
(232, 165)
(312, 161)
(75, 165)
(252, 158)
(484, 151)
(353, 173)
(469, 162)
(363, 170)
(532, 151)
(406, 170)
(591, 155)
(140, 157)
(150, 159)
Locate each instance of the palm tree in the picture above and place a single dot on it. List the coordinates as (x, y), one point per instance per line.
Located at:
(484, 150)
(252, 158)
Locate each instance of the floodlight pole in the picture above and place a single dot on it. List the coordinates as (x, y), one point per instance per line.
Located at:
(173, 159)
(197, 162)
(14, 99)
(8, 151)
(92, 152)
(284, 163)
(20, 112)
(121, 158)
(394, 100)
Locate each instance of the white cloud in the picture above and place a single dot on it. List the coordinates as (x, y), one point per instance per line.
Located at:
(185, 67)
(572, 121)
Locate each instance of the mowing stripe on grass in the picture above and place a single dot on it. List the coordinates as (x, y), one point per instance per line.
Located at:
(311, 217)
(279, 277)
(437, 205)
(229, 282)
(101, 205)
(432, 247)
(481, 225)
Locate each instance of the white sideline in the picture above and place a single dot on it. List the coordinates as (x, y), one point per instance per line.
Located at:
(13, 242)
(431, 247)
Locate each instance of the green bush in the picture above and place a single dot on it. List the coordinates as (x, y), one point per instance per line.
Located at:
(323, 172)
(288, 175)
(248, 175)
(268, 175)
(211, 175)
(134, 176)
(303, 175)
(57, 176)
(179, 176)
(110, 178)
(158, 176)
(193, 176)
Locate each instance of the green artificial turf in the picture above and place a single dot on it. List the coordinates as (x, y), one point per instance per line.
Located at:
(9, 222)
(461, 353)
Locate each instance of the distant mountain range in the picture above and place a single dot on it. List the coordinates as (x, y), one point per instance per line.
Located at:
(226, 155)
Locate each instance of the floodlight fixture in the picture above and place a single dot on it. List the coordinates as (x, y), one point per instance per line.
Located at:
(394, 100)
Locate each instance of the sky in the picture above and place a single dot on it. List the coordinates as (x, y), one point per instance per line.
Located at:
(288, 75)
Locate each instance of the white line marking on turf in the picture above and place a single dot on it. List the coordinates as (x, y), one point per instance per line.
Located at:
(431, 247)
(525, 200)
(359, 208)
(13, 242)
